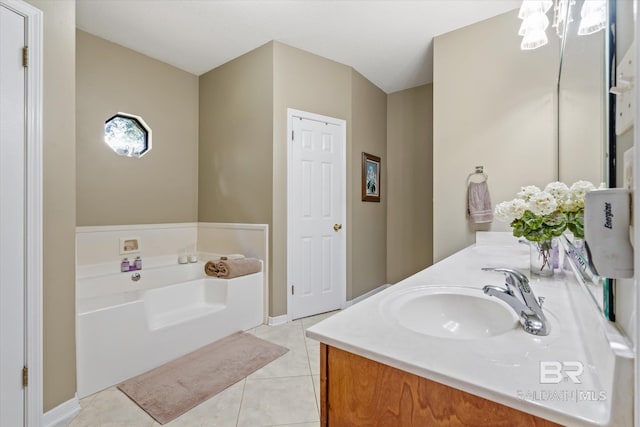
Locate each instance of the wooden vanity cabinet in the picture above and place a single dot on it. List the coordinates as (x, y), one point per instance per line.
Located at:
(355, 391)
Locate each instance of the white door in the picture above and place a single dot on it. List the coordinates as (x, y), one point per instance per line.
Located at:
(317, 210)
(12, 217)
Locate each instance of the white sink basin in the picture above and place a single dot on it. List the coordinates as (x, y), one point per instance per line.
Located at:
(449, 312)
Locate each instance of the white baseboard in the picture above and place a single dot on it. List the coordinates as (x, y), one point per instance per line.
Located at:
(278, 320)
(61, 415)
(365, 296)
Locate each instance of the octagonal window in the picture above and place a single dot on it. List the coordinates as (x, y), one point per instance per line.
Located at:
(127, 135)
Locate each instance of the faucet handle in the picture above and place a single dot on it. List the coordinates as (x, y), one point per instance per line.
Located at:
(532, 317)
(509, 272)
(515, 279)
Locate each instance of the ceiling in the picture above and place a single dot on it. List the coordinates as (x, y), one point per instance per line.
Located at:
(387, 41)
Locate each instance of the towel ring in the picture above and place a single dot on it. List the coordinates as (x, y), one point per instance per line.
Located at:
(478, 174)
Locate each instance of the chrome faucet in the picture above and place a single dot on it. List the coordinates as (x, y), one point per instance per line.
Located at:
(527, 306)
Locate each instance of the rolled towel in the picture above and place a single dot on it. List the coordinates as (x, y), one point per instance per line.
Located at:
(211, 268)
(230, 268)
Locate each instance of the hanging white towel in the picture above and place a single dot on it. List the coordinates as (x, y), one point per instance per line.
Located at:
(479, 209)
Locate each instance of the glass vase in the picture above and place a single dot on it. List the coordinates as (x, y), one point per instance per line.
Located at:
(543, 257)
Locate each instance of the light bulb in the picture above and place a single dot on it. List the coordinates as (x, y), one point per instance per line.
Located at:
(594, 17)
(533, 40)
(529, 7)
(538, 21)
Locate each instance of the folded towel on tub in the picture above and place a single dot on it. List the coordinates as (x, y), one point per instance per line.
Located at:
(230, 268)
(211, 268)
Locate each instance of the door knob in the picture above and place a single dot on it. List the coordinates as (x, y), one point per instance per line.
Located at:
(337, 227)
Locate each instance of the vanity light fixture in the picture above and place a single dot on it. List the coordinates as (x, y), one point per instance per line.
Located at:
(593, 17)
(562, 15)
(535, 22)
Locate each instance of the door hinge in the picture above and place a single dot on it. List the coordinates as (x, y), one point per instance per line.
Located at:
(293, 290)
(25, 376)
(25, 56)
(292, 136)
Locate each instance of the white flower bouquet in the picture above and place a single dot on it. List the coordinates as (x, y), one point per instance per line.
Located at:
(540, 215)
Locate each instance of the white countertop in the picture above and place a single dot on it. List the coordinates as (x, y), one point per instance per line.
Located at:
(503, 368)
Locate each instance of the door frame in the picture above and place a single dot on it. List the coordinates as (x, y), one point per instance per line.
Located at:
(291, 113)
(33, 219)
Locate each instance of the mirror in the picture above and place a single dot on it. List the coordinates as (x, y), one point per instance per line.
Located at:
(586, 145)
(582, 144)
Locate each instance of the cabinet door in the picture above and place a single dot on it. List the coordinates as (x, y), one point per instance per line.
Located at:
(360, 392)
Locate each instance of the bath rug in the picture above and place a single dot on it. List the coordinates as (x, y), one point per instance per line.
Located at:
(172, 389)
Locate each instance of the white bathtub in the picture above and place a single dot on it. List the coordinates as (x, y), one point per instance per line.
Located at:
(125, 328)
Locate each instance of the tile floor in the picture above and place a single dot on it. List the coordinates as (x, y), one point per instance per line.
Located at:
(283, 393)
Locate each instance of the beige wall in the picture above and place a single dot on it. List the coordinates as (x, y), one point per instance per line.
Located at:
(494, 105)
(242, 109)
(310, 83)
(243, 124)
(409, 182)
(59, 137)
(236, 149)
(236, 102)
(367, 220)
(161, 186)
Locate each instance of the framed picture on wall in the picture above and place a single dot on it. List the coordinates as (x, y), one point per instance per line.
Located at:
(370, 178)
